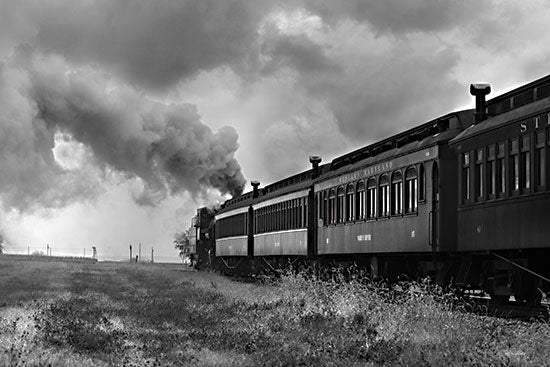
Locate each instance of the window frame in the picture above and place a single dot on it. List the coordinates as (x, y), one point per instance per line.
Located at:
(341, 204)
(350, 203)
(371, 207)
(360, 196)
(396, 194)
(384, 200)
(465, 178)
(491, 173)
(411, 190)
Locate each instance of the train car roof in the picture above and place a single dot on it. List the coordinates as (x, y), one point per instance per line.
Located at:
(287, 185)
(419, 137)
(428, 134)
(510, 107)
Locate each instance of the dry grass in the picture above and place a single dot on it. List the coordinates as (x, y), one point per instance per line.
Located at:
(109, 314)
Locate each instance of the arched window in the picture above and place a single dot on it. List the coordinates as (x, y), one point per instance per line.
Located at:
(350, 210)
(371, 198)
(411, 183)
(421, 183)
(332, 206)
(397, 193)
(384, 196)
(340, 209)
(360, 200)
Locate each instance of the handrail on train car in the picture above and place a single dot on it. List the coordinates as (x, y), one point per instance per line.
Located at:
(519, 266)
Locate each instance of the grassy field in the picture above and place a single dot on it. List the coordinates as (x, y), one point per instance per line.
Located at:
(110, 314)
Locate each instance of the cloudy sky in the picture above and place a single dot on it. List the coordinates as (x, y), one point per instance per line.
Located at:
(119, 118)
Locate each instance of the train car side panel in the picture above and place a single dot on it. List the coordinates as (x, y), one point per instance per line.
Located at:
(293, 242)
(521, 225)
(406, 234)
(232, 246)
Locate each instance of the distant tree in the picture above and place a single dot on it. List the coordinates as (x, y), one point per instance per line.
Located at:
(1, 243)
(38, 253)
(181, 243)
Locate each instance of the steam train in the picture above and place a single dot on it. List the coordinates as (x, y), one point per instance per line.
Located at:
(463, 199)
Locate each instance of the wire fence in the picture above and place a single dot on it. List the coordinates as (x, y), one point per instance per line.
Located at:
(144, 256)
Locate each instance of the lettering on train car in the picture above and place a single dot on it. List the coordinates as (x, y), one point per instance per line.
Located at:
(369, 171)
(534, 123)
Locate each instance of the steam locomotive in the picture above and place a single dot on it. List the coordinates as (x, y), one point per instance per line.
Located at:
(463, 199)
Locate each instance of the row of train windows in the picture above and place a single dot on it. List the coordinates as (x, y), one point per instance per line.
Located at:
(513, 167)
(394, 194)
(235, 225)
(290, 214)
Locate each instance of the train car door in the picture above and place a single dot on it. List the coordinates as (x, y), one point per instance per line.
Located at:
(435, 207)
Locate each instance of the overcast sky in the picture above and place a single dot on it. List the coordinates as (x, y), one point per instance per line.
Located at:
(119, 118)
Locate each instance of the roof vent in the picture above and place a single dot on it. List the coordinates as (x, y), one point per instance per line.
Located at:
(255, 192)
(480, 91)
(315, 160)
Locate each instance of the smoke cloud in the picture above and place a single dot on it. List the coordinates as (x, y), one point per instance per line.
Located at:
(113, 127)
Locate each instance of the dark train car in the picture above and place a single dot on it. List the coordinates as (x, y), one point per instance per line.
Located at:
(392, 201)
(504, 192)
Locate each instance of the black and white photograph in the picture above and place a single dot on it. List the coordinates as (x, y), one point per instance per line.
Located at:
(274, 183)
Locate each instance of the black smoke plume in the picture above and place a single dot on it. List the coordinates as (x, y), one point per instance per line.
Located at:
(166, 146)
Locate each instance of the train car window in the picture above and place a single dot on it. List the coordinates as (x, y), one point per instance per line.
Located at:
(300, 213)
(514, 164)
(360, 200)
(501, 169)
(384, 196)
(292, 215)
(411, 183)
(350, 201)
(525, 163)
(540, 161)
(465, 178)
(326, 220)
(261, 220)
(287, 215)
(275, 223)
(304, 212)
(341, 204)
(332, 206)
(478, 175)
(421, 183)
(296, 213)
(283, 215)
(371, 198)
(491, 171)
(273, 217)
(319, 200)
(397, 193)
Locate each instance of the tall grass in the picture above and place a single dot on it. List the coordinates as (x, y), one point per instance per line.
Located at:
(142, 315)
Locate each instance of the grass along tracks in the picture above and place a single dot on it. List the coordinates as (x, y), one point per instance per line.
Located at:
(66, 314)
